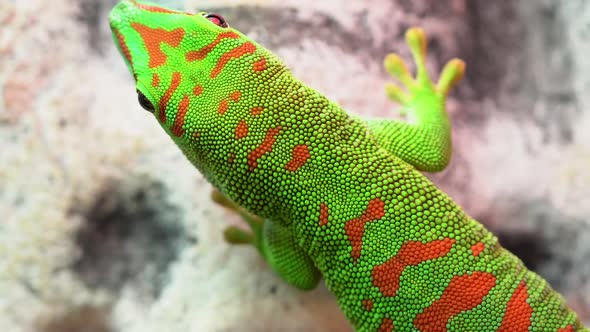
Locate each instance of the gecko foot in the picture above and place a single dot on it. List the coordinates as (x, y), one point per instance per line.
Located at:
(421, 87)
(236, 235)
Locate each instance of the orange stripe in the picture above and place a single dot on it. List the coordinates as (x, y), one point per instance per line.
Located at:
(198, 90)
(176, 78)
(323, 214)
(246, 48)
(355, 228)
(463, 293)
(386, 325)
(241, 129)
(300, 157)
(180, 115)
(386, 276)
(265, 147)
(518, 311)
(155, 80)
(152, 38)
(202, 53)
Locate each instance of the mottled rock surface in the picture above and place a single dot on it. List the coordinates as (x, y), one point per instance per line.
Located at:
(104, 226)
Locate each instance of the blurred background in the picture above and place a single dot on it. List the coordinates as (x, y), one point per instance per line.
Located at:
(104, 226)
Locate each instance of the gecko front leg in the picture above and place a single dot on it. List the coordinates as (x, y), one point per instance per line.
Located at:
(425, 143)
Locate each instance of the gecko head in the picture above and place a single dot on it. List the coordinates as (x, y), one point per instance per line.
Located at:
(191, 70)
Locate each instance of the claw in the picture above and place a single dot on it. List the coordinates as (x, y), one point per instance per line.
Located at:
(451, 75)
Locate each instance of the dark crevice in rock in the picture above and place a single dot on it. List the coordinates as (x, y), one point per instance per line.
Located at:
(131, 237)
(547, 241)
(496, 34)
(90, 14)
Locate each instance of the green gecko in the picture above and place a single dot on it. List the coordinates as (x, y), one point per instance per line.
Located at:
(328, 194)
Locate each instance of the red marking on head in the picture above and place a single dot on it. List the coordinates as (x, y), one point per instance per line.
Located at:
(265, 147)
(152, 38)
(568, 328)
(355, 228)
(202, 53)
(323, 214)
(155, 80)
(386, 276)
(518, 311)
(124, 49)
(223, 106)
(386, 325)
(232, 157)
(256, 111)
(259, 65)
(246, 48)
(198, 90)
(179, 121)
(477, 248)
(241, 129)
(300, 157)
(463, 293)
(235, 96)
(367, 304)
(166, 98)
(155, 9)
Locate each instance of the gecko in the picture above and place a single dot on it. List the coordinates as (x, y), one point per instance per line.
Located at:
(328, 194)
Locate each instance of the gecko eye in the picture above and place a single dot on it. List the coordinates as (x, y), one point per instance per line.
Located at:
(144, 102)
(217, 20)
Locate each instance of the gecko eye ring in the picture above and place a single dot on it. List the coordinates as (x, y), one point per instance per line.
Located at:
(217, 20)
(145, 103)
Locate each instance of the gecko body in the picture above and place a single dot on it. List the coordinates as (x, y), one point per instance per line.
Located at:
(328, 194)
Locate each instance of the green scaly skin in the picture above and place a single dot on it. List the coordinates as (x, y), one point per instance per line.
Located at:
(336, 196)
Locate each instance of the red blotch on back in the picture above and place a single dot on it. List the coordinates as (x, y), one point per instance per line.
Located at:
(246, 48)
(235, 96)
(367, 304)
(223, 106)
(386, 276)
(463, 293)
(477, 248)
(198, 90)
(568, 328)
(256, 111)
(518, 311)
(152, 38)
(323, 214)
(241, 129)
(355, 228)
(259, 65)
(265, 147)
(176, 78)
(386, 325)
(202, 53)
(300, 157)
